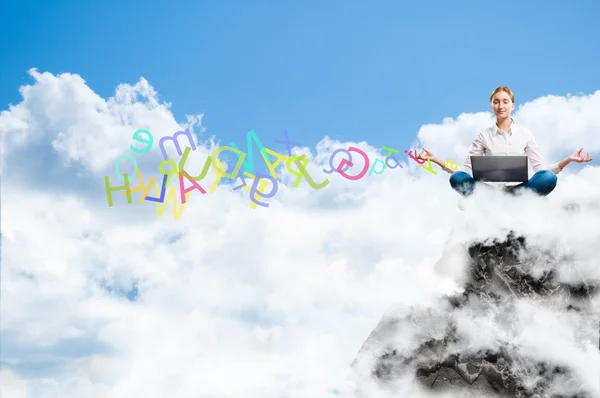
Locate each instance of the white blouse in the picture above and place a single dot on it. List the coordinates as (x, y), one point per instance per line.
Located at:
(515, 141)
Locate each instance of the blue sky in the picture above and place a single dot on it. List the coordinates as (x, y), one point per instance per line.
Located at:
(374, 71)
(88, 290)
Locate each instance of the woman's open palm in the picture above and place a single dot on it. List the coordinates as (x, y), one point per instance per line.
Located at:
(579, 158)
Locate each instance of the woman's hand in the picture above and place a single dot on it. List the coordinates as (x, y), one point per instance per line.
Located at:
(579, 158)
(425, 155)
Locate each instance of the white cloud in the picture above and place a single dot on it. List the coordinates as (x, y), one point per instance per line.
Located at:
(232, 301)
(12, 386)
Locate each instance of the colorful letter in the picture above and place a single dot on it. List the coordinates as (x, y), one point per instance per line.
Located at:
(390, 150)
(414, 157)
(430, 167)
(110, 190)
(345, 162)
(452, 165)
(332, 168)
(301, 162)
(148, 141)
(145, 189)
(249, 165)
(244, 185)
(184, 159)
(287, 143)
(219, 167)
(162, 191)
(280, 158)
(395, 160)
(119, 160)
(173, 170)
(183, 191)
(253, 189)
(174, 139)
(176, 212)
(260, 190)
(250, 135)
(373, 168)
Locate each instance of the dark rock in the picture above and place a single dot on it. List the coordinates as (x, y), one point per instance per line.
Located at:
(572, 207)
(499, 274)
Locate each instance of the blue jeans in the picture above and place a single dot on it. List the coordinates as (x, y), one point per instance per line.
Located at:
(543, 182)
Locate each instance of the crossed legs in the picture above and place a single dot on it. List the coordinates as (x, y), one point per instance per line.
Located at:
(542, 183)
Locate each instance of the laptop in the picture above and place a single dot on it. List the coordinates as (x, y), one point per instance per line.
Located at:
(500, 168)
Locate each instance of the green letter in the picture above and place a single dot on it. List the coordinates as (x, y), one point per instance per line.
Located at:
(110, 190)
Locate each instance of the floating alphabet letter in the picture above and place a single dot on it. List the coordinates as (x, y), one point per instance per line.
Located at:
(183, 190)
(219, 167)
(183, 159)
(333, 169)
(287, 143)
(429, 168)
(452, 165)
(301, 162)
(142, 187)
(410, 155)
(395, 160)
(390, 150)
(373, 167)
(259, 189)
(345, 162)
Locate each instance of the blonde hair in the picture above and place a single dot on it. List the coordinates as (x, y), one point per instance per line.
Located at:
(506, 90)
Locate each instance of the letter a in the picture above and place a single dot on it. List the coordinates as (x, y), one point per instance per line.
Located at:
(183, 191)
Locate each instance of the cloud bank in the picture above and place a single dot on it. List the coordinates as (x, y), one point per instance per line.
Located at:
(230, 301)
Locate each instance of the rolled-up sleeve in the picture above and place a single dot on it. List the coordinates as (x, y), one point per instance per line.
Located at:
(477, 149)
(533, 152)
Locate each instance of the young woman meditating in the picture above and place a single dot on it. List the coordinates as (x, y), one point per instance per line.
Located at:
(506, 138)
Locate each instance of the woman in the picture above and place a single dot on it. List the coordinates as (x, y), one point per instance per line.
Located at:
(506, 138)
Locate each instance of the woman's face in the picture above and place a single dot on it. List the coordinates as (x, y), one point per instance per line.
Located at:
(502, 105)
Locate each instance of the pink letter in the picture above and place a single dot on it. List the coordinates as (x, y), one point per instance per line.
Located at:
(345, 162)
(183, 190)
